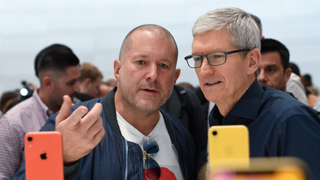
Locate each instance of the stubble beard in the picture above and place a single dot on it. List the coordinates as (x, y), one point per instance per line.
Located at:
(133, 101)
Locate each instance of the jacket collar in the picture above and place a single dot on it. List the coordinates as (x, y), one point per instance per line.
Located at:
(245, 110)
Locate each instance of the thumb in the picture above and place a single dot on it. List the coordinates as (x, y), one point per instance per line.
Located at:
(64, 110)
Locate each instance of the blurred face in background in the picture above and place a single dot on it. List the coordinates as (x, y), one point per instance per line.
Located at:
(92, 87)
(271, 73)
(67, 84)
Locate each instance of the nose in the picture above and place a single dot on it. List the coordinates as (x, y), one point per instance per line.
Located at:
(76, 87)
(152, 74)
(261, 76)
(206, 67)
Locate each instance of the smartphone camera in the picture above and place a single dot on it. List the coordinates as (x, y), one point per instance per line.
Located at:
(29, 138)
(214, 133)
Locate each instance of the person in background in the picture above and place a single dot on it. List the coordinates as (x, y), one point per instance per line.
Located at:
(184, 106)
(104, 89)
(112, 81)
(258, 22)
(131, 138)
(307, 83)
(295, 86)
(89, 81)
(186, 85)
(226, 56)
(273, 70)
(58, 71)
(6, 99)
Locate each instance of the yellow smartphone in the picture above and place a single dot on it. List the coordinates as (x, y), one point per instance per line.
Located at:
(43, 155)
(228, 146)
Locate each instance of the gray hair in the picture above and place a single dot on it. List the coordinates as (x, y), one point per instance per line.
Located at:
(243, 28)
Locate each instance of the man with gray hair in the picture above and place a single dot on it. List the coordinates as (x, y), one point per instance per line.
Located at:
(226, 55)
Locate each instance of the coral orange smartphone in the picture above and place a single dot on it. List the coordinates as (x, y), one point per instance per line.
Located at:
(228, 146)
(43, 156)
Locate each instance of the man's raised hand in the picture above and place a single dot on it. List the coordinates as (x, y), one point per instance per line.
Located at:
(79, 134)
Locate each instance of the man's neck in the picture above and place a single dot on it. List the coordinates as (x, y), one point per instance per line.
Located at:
(45, 98)
(226, 105)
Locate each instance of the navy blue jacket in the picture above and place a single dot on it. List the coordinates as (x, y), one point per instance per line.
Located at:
(114, 157)
(278, 124)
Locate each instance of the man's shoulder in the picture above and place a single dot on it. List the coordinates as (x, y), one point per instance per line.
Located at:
(21, 110)
(282, 105)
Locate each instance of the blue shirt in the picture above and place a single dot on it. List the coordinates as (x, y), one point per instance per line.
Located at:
(278, 125)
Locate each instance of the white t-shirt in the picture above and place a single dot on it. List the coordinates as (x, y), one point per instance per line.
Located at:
(166, 157)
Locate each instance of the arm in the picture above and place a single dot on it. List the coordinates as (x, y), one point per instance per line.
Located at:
(299, 137)
(11, 148)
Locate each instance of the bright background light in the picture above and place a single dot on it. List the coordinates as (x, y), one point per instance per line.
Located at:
(23, 92)
(94, 29)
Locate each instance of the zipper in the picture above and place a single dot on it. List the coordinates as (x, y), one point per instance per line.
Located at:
(126, 171)
(178, 161)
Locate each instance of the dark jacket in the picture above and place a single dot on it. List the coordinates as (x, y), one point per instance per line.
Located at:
(278, 125)
(114, 157)
(184, 106)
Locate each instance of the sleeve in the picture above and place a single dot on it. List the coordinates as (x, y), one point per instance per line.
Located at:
(299, 136)
(317, 105)
(11, 149)
(297, 89)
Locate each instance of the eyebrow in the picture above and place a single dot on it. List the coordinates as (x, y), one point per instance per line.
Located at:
(272, 65)
(146, 56)
(140, 56)
(72, 81)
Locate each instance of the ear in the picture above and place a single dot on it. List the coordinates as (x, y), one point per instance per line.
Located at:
(87, 81)
(287, 74)
(253, 62)
(117, 67)
(177, 74)
(48, 82)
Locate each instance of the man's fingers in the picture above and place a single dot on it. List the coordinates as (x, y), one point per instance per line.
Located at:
(95, 128)
(98, 136)
(92, 116)
(76, 116)
(64, 110)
